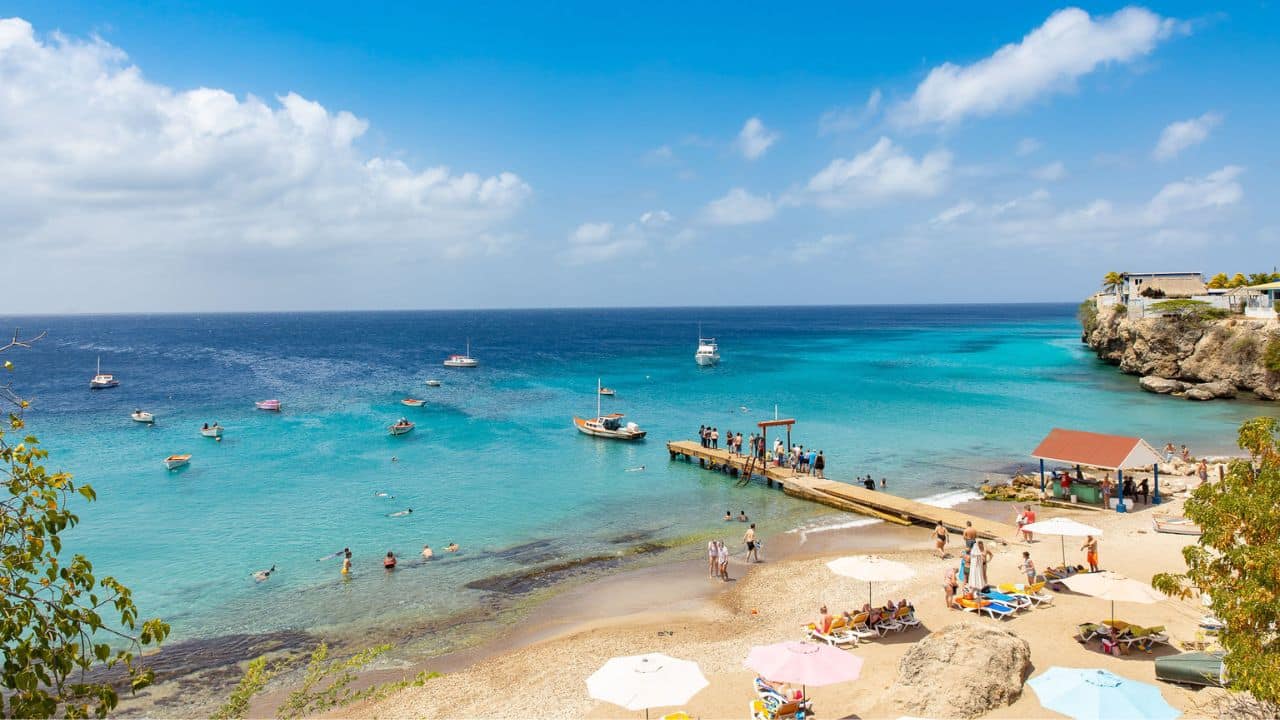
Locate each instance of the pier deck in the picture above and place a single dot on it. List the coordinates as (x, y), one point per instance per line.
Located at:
(844, 496)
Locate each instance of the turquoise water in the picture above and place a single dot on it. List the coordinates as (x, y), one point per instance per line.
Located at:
(929, 397)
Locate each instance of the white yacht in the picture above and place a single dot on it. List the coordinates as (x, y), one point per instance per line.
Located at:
(708, 352)
(142, 416)
(462, 361)
(102, 380)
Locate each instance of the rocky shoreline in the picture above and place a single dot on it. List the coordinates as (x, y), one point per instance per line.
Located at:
(1188, 357)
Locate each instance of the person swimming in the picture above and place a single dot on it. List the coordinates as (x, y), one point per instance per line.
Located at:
(401, 513)
(638, 468)
(384, 494)
(333, 555)
(427, 553)
(393, 457)
(389, 562)
(451, 547)
(346, 564)
(263, 574)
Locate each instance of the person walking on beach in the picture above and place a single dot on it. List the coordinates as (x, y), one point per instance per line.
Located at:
(1186, 454)
(949, 587)
(1028, 568)
(820, 465)
(1202, 471)
(1090, 548)
(940, 539)
(1144, 489)
(978, 559)
(713, 559)
(1030, 513)
(1169, 450)
(1107, 486)
(750, 539)
(970, 535)
(722, 552)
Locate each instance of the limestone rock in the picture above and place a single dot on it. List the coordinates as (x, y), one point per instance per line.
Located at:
(1219, 388)
(1199, 393)
(963, 670)
(1163, 386)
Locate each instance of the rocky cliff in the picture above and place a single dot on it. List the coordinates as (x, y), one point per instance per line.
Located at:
(1195, 358)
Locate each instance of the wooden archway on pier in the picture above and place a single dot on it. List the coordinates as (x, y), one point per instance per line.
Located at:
(764, 426)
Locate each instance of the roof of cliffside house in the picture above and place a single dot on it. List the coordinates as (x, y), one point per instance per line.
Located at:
(1176, 287)
(1077, 447)
(1266, 286)
(1162, 274)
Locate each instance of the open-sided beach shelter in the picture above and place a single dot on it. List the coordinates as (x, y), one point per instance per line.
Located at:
(766, 424)
(1110, 452)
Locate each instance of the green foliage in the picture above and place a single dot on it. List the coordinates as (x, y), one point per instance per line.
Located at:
(1151, 292)
(1271, 356)
(57, 619)
(1195, 310)
(1237, 559)
(254, 681)
(1087, 314)
(1219, 281)
(326, 685)
(1262, 278)
(1238, 280)
(1112, 281)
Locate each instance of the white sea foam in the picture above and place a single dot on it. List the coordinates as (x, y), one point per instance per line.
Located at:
(950, 498)
(829, 525)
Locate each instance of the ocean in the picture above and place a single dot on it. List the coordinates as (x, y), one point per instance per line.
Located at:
(932, 398)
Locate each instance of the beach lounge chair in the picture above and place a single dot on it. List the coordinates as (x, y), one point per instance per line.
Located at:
(858, 626)
(1090, 631)
(906, 617)
(1033, 592)
(837, 634)
(990, 608)
(1145, 638)
(1017, 602)
(680, 715)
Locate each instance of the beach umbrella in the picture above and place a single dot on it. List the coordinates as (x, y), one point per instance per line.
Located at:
(1112, 586)
(870, 569)
(640, 682)
(1092, 693)
(804, 663)
(1063, 527)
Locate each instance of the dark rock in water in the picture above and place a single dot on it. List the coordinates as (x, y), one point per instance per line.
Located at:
(1163, 386)
(526, 581)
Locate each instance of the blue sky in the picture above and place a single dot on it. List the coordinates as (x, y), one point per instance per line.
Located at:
(331, 156)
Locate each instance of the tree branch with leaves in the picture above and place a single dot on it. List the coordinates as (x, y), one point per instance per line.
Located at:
(57, 619)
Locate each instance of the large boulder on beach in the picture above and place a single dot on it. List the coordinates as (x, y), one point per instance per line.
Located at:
(1212, 390)
(963, 670)
(1162, 385)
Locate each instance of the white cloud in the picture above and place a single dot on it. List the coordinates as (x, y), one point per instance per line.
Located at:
(739, 207)
(754, 139)
(1216, 190)
(594, 242)
(1181, 135)
(1052, 172)
(1027, 145)
(953, 213)
(881, 173)
(846, 119)
(1049, 59)
(656, 218)
(96, 155)
(825, 245)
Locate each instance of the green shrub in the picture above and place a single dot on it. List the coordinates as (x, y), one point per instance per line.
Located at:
(1193, 310)
(1271, 356)
(1087, 313)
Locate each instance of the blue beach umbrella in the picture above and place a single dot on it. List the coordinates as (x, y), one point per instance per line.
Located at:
(1092, 693)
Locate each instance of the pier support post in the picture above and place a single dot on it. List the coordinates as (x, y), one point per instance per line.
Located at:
(1155, 492)
(1042, 478)
(1120, 484)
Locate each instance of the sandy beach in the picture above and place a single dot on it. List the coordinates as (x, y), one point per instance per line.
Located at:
(678, 610)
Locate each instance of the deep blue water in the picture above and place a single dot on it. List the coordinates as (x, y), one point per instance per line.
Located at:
(927, 396)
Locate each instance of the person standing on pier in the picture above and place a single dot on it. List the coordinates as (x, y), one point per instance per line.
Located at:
(702, 435)
(715, 439)
(819, 465)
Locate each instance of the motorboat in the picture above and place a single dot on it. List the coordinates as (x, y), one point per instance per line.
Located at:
(1175, 525)
(268, 405)
(608, 426)
(143, 416)
(413, 402)
(401, 427)
(433, 383)
(101, 380)
(607, 392)
(173, 462)
(462, 361)
(708, 352)
(213, 431)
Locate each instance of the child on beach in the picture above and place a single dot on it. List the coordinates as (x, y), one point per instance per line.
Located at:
(1028, 568)
(1090, 549)
(713, 559)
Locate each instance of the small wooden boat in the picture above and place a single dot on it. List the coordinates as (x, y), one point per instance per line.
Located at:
(1174, 525)
(142, 416)
(413, 402)
(608, 392)
(173, 462)
(213, 431)
(268, 405)
(433, 383)
(607, 426)
(401, 427)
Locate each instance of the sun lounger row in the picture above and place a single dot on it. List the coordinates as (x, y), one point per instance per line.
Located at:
(851, 628)
(1004, 601)
(1126, 635)
(771, 704)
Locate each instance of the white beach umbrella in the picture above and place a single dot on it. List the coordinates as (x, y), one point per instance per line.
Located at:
(1113, 586)
(640, 682)
(871, 569)
(1062, 527)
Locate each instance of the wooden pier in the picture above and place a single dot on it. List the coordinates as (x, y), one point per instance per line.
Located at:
(839, 495)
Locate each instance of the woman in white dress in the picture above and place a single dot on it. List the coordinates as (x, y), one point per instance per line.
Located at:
(978, 567)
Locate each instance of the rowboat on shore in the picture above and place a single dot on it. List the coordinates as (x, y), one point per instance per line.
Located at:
(1174, 525)
(413, 402)
(401, 427)
(268, 405)
(173, 462)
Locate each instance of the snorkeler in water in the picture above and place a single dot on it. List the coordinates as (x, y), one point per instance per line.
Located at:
(401, 513)
(638, 468)
(263, 574)
(384, 494)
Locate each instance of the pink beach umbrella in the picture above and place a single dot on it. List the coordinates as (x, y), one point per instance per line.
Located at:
(804, 663)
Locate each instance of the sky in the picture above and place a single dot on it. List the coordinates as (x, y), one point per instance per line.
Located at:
(163, 157)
